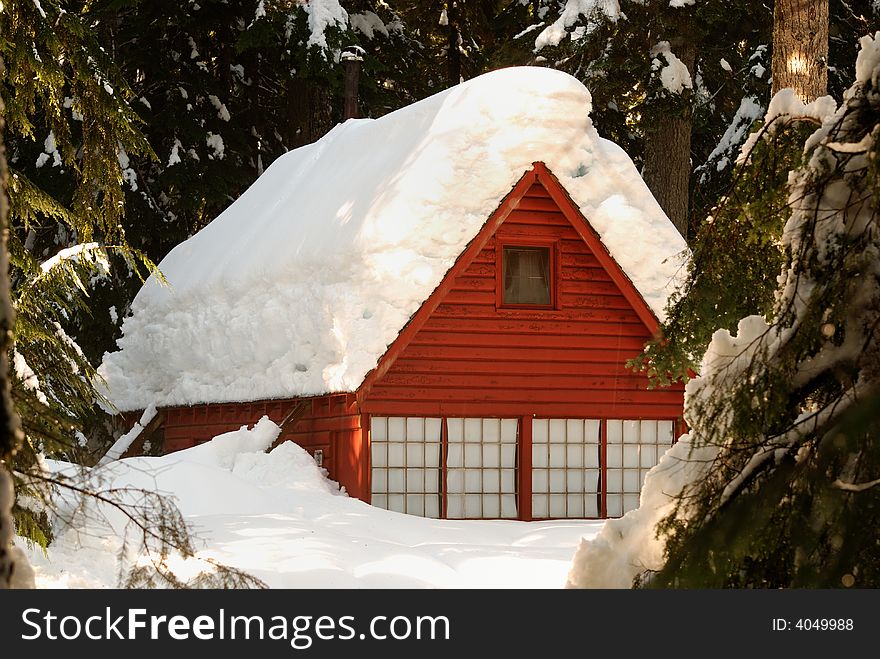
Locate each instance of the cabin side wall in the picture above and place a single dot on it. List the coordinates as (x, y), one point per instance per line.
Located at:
(330, 429)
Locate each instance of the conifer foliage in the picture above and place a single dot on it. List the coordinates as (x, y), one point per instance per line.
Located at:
(666, 78)
(739, 241)
(71, 135)
(69, 130)
(789, 407)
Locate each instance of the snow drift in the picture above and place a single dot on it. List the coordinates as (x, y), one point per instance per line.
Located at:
(276, 516)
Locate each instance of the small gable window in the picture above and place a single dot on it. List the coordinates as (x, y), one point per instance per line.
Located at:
(526, 276)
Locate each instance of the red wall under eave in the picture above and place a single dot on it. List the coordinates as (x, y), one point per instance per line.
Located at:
(472, 358)
(332, 424)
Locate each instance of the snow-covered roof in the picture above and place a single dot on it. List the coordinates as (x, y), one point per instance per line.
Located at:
(301, 284)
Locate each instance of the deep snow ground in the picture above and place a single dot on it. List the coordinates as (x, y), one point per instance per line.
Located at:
(275, 516)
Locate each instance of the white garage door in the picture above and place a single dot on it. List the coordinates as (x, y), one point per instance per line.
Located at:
(468, 470)
(566, 468)
(633, 448)
(406, 464)
(481, 468)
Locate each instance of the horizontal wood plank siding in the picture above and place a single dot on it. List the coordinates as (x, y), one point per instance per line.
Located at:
(471, 357)
(331, 423)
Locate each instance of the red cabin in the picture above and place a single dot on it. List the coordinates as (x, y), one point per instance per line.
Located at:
(505, 395)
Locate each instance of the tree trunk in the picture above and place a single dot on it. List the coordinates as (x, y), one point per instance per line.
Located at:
(667, 168)
(308, 112)
(10, 424)
(453, 52)
(800, 47)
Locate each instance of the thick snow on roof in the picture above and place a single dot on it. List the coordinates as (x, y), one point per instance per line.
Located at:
(300, 285)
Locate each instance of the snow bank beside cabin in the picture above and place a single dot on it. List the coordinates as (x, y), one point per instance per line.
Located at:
(276, 516)
(302, 283)
(232, 474)
(628, 546)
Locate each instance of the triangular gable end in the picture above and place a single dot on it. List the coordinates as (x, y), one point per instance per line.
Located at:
(539, 174)
(586, 231)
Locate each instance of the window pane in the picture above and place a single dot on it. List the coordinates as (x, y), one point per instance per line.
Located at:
(565, 468)
(415, 430)
(432, 455)
(432, 506)
(473, 481)
(526, 275)
(396, 455)
(455, 506)
(539, 505)
(396, 429)
(397, 503)
(415, 455)
(491, 455)
(508, 506)
(539, 431)
(539, 456)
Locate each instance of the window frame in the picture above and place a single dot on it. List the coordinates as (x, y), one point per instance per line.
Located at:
(524, 463)
(553, 248)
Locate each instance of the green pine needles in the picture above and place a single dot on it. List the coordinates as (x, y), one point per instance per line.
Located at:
(736, 256)
(66, 107)
(789, 407)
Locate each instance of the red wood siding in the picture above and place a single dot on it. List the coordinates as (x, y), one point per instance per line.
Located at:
(331, 424)
(472, 357)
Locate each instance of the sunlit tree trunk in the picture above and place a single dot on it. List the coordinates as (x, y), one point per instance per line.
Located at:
(800, 47)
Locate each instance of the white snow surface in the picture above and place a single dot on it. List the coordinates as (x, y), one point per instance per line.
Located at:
(786, 104)
(367, 23)
(322, 15)
(276, 516)
(868, 60)
(571, 14)
(27, 377)
(750, 110)
(216, 143)
(301, 284)
(674, 75)
(627, 547)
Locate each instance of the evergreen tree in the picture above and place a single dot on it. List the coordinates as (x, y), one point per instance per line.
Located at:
(11, 563)
(848, 21)
(462, 39)
(739, 242)
(789, 407)
(222, 89)
(66, 209)
(741, 239)
(68, 128)
(664, 76)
